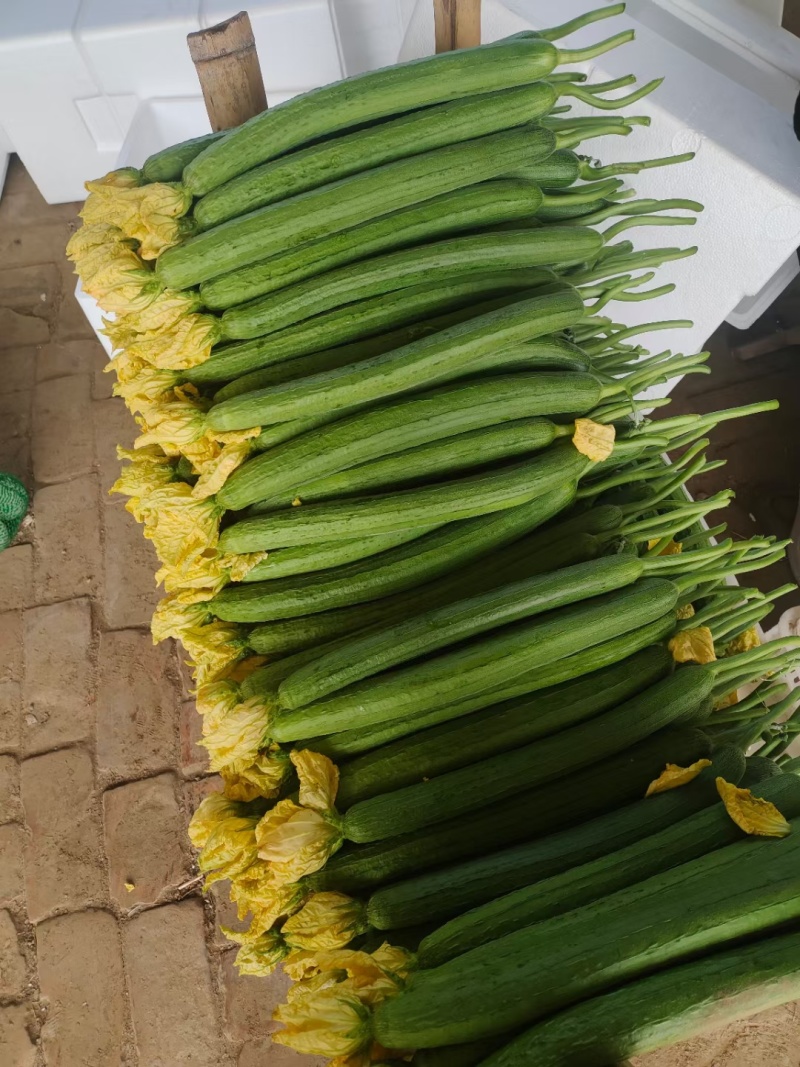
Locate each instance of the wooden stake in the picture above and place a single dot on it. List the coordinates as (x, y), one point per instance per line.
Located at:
(227, 66)
(458, 24)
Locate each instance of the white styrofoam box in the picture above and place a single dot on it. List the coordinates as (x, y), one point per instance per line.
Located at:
(159, 123)
(139, 48)
(769, 9)
(108, 119)
(6, 148)
(296, 40)
(753, 307)
(93, 314)
(42, 73)
(369, 33)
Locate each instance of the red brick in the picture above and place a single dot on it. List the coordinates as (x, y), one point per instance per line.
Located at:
(16, 1047)
(137, 705)
(12, 873)
(18, 329)
(63, 445)
(250, 1001)
(17, 366)
(10, 716)
(16, 577)
(68, 539)
(63, 860)
(58, 689)
(11, 646)
(10, 810)
(59, 359)
(31, 291)
(81, 976)
(130, 594)
(144, 835)
(174, 1014)
(12, 961)
(194, 759)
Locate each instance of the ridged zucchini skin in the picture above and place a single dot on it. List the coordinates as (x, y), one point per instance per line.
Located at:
(450, 892)
(350, 201)
(442, 502)
(498, 728)
(533, 814)
(364, 319)
(429, 361)
(502, 201)
(468, 617)
(675, 1005)
(482, 664)
(676, 698)
(742, 889)
(407, 135)
(367, 97)
(435, 261)
(401, 424)
(683, 842)
(167, 165)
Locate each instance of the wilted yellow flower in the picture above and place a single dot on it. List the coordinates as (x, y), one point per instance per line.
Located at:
(674, 776)
(214, 648)
(365, 973)
(743, 642)
(263, 777)
(149, 213)
(146, 471)
(673, 548)
(262, 956)
(237, 739)
(147, 388)
(331, 1022)
(255, 890)
(319, 779)
(693, 646)
(166, 310)
(210, 813)
(593, 439)
(752, 814)
(161, 208)
(180, 526)
(686, 611)
(172, 618)
(215, 700)
(174, 422)
(296, 841)
(229, 451)
(727, 701)
(326, 921)
(229, 849)
(185, 344)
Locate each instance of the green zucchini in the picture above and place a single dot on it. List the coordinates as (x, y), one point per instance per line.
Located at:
(498, 728)
(460, 454)
(453, 623)
(558, 171)
(167, 165)
(428, 361)
(302, 631)
(328, 358)
(449, 892)
(339, 157)
(679, 698)
(394, 427)
(365, 318)
(681, 1003)
(362, 99)
(686, 840)
(735, 891)
(350, 201)
(287, 562)
(430, 505)
(572, 800)
(427, 557)
(501, 201)
(436, 261)
(759, 769)
(483, 663)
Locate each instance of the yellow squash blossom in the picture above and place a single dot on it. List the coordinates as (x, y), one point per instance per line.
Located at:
(296, 841)
(674, 776)
(593, 439)
(325, 921)
(210, 813)
(743, 642)
(693, 646)
(184, 345)
(754, 815)
(331, 1022)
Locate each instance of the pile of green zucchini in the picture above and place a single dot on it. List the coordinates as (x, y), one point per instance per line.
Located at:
(506, 770)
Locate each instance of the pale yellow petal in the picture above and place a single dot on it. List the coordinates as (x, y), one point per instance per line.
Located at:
(326, 921)
(261, 957)
(296, 841)
(693, 646)
(674, 776)
(754, 815)
(239, 736)
(686, 611)
(185, 345)
(593, 439)
(331, 1022)
(319, 779)
(743, 642)
(210, 813)
(672, 548)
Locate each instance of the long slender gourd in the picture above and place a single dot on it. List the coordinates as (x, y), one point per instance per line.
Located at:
(529, 815)
(680, 697)
(441, 627)
(366, 97)
(498, 728)
(433, 262)
(497, 202)
(449, 892)
(678, 1004)
(167, 165)
(349, 201)
(354, 742)
(736, 891)
(686, 840)
(429, 360)
(365, 318)
(461, 498)
(483, 663)
(407, 135)
(394, 427)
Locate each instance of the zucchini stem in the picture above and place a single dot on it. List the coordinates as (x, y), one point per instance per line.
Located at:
(654, 257)
(712, 531)
(587, 171)
(589, 95)
(580, 55)
(635, 331)
(555, 33)
(644, 220)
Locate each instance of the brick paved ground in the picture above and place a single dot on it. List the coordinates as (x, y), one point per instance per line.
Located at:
(109, 954)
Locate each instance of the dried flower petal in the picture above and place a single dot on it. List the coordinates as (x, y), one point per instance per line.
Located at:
(752, 814)
(674, 776)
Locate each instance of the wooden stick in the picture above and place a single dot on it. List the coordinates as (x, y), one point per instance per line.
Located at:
(227, 66)
(458, 24)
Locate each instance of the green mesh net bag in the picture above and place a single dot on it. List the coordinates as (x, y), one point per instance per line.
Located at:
(13, 505)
